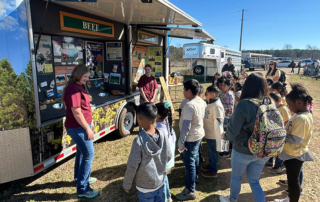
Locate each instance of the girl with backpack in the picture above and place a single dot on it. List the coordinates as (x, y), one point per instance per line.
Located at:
(280, 88)
(164, 122)
(299, 132)
(240, 129)
(273, 72)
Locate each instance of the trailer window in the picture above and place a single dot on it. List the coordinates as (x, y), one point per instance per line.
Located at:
(212, 51)
(222, 54)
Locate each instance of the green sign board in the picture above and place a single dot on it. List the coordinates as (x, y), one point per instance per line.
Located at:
(80, 24)
(147, 37)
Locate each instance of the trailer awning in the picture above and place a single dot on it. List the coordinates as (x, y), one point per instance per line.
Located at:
(185, 33)
(159, 12)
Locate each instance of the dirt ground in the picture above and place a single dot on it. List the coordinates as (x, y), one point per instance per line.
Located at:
(109, 166)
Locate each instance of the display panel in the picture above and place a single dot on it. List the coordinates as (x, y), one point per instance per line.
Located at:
(44, 55)
(114, 50)
(94, 59)
(155, 60)
(139, 56)
(67, 50)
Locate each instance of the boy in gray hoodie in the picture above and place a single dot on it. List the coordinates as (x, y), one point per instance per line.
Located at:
(149, 155)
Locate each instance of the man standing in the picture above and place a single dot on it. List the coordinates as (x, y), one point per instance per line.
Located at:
(229, 67)
(292, 65)
(147, 86)
(299, 66)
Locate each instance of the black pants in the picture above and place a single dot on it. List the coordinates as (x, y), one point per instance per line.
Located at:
(292, 70)
(293, 169)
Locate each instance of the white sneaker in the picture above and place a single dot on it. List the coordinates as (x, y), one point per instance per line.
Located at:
(224, 198)
(282, 200)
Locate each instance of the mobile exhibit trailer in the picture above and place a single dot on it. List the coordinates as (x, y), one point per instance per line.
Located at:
(256, 60)
(208, 59)
(43, 41)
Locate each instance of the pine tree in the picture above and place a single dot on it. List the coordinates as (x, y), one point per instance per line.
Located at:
(13, 111)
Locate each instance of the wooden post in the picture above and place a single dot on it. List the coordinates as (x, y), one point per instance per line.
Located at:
(166, 92)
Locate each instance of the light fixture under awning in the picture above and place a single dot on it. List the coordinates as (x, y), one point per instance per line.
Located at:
(185, 33)
(159, 12)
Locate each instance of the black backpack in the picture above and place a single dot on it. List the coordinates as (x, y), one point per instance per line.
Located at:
(283, 77)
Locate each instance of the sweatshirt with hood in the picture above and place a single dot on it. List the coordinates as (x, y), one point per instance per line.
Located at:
(147, 161)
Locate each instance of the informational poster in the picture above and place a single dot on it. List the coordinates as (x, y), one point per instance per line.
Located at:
(67, 51)
(114, 50)
(139, 58)
(94, 59)
(155, 60)
(62, 74)
(44, 55)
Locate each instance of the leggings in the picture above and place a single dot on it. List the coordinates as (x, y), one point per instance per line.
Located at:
(293, 169)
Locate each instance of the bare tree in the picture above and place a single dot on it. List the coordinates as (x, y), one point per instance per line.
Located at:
(287, 48)
(312, 50)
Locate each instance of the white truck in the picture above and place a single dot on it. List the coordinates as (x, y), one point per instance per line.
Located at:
(208, 59)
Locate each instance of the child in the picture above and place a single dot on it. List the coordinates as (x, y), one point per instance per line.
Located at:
(220, 82)
(286, 115)
(270, 81)
(237, 92)
(191, 134)
(227, 99)
(164, 122)
(213, 126)
(299, 133)
(149, 155)
(215, 78)
(280, 88)
(184, 101)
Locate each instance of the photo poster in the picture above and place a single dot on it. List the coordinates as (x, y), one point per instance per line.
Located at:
(44, 55)
(155, 60)
(62, 75)
(94, 59)
(67, 51)
(114, 50)
(139, 58)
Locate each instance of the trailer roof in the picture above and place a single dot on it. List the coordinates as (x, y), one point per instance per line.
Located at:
(177, 32)
(159, 12)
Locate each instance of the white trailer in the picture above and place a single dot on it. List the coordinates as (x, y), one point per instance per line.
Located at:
(256, 60)
(208, 59)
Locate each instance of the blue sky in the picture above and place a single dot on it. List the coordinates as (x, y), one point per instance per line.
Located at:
(267, 23)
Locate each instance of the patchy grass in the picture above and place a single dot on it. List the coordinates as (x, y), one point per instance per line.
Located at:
(111, 156)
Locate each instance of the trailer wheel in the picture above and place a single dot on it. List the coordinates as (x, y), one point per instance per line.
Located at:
(251, 69)
(127, 121)
(198, 70)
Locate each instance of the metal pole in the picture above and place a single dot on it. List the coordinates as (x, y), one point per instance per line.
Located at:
(241, 30)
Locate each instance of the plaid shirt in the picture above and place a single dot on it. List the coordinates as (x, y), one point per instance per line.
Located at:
(227, 100)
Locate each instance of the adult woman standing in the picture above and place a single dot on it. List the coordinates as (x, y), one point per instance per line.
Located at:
(79, 126)
(273, 72)
(240, 129)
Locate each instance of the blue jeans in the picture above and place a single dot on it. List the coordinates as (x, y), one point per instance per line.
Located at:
(213, 156)
(278, 162)
(191, 163)
(253, 165)
(155, 196)
(166, 189)
(84, 157)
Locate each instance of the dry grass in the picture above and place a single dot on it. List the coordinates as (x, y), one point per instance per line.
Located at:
(110, 164)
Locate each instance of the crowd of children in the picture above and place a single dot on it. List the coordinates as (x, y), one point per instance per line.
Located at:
(227, 114)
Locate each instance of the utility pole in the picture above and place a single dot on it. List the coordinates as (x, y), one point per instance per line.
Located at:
(241, 30)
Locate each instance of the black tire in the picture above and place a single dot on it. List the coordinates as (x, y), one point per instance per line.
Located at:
(251, 69)
(127, 121)
(198, 70)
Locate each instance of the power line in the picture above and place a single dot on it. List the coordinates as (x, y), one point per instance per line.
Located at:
(219, 14)
(273, 11)
(212, 25)
(234, 4)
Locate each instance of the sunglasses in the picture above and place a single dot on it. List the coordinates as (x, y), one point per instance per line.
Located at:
(271, 64)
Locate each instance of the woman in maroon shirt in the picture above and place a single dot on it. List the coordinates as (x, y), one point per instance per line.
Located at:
(79, 126)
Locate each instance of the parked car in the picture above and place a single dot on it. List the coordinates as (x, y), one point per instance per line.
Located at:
(304, 62)
(284, 63)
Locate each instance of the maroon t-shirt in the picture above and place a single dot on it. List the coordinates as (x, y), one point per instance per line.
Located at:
(76, 96)
(149, 85)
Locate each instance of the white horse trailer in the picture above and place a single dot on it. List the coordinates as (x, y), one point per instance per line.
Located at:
(208, 59)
